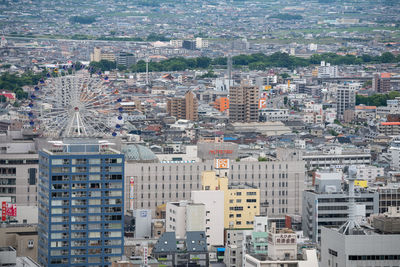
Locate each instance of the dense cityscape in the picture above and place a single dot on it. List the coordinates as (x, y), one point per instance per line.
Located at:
(229, 133)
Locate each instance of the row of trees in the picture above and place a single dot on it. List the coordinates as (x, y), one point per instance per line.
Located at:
(335, 59)
(377, 99)
(286, 16)
(82, 19)
(103, 65)
(260, 61)
(14, 82)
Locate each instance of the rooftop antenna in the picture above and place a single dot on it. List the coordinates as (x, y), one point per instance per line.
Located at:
(229, 63)
(351, 226)
(229, 66)
(147, 71)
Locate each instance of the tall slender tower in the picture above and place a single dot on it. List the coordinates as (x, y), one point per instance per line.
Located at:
(351, 225)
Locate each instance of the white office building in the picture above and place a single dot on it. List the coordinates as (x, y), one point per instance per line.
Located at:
(371, 245)
(183, 216)
(345, 99)
(369, 173)
(327, 71)
(214, 210)
(274, 114)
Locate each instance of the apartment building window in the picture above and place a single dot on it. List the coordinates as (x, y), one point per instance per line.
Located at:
(32, 176)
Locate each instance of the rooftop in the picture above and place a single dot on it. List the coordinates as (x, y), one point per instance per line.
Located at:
(80, 146)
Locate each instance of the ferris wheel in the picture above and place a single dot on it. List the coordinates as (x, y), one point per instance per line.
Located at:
(75, 105)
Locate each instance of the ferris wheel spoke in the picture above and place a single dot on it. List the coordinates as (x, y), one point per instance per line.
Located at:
(77, 104)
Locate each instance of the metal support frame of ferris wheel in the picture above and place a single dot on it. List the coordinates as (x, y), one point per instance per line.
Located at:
(78, 106)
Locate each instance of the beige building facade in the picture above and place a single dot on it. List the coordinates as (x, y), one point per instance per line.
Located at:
(281, 182)
(23, 238)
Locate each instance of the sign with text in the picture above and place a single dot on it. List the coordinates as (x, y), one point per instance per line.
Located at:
(131, 191)
(11, 210)
(262, 103)
(220, 152)
(221, 163)
(145, 255)
(3, 211)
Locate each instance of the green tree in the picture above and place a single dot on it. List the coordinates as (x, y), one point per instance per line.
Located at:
(387, 57)
(284, 75)
(103, 65)
(82, 19)
(121, 67)
(203, 62)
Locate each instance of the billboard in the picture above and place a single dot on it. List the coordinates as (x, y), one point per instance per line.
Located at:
(3, 211)
(267, 87)
(262, 103)
(131, 191)
(145, 255)
(221, 163)
(361, 183)
(210, 151)
(8, 209)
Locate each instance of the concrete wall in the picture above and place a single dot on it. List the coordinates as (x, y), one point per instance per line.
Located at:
(214, 206)
(27, 214)
(18, 238)
(333, 243)
(196, 217)
(176, 219)
(280, 182)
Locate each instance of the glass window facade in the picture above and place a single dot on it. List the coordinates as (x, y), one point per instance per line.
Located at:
(80, 208)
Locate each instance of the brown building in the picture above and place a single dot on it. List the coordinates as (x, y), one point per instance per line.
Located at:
(183, 107)
(131, 106)
(243, 103)
(389, 128)
(23, 238)
(381, 83)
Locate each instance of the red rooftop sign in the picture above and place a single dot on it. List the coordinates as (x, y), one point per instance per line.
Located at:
(220, 152)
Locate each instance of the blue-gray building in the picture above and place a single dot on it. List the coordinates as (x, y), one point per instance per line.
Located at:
(81, 205)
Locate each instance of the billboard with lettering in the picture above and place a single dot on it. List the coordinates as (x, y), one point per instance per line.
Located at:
(221, 163)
